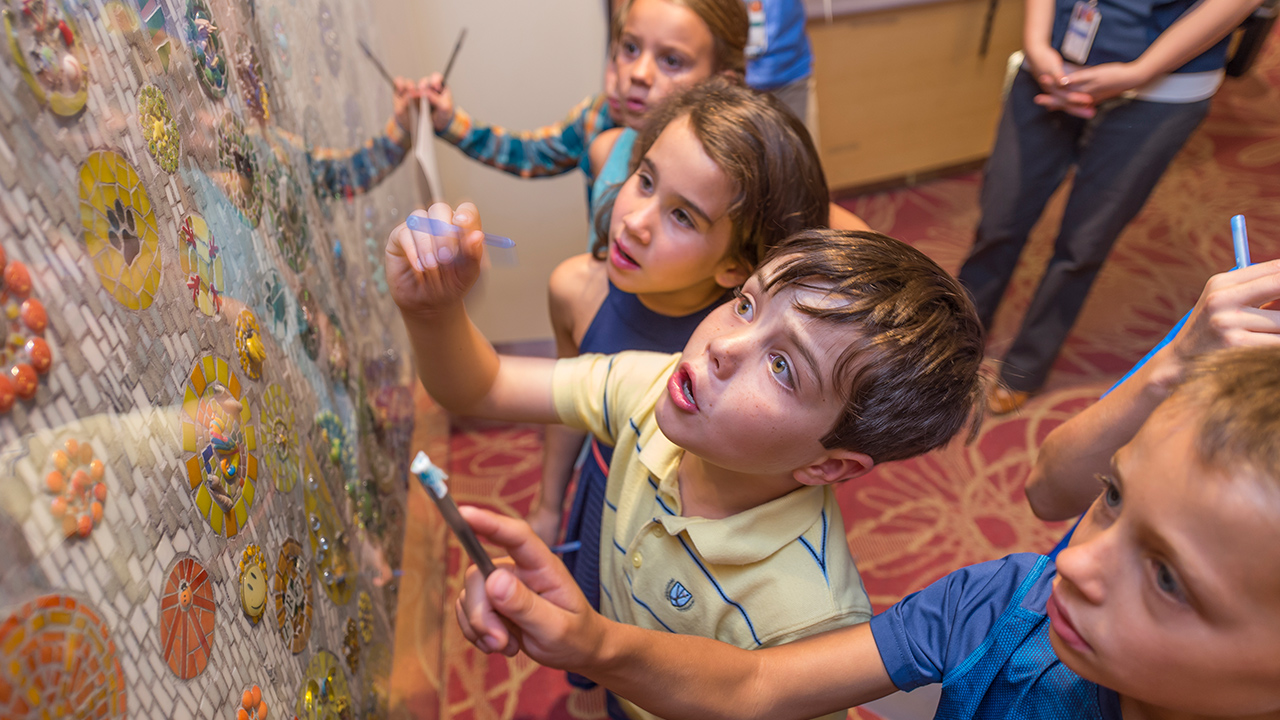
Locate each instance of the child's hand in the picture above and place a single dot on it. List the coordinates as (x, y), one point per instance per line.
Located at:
(441, 99)
(534, 591)
(402, 102)
(429, 273)
(1240, 308)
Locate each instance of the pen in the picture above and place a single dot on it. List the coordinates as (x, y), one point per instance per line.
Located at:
(444, 79)
(440, 227)
(376, 63)
(1240, 239)
(432, 478)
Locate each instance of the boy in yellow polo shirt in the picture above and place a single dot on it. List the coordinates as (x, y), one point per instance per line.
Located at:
(843, 350)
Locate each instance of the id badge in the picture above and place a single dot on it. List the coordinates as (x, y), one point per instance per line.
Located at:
(1081, 29)
(757, 41)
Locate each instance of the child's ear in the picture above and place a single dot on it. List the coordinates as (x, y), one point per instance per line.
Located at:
(731, 274)
(835, 466)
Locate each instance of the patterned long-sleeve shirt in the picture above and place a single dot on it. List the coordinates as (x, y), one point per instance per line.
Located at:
(345, 172)
(551, 150)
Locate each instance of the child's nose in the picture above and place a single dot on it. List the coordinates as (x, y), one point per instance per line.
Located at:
(1086, 567)
(639, 221)
(642, 70)
(725, 353)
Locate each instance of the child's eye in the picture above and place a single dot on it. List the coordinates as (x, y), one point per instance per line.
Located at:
(630, 48)
(742, 305)
(1110, 492)
(672, 62)
(646, 182)
(781, 367)
(1167, 582)
(682, 217)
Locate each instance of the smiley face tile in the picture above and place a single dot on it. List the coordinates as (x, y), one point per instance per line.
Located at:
(119, 226)
(255, 586)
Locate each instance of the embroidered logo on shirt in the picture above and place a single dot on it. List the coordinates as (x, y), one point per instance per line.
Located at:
(679, 596)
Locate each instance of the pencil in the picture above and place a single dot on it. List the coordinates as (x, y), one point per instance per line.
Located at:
(432, 478)
(444, 79)
(376, 63)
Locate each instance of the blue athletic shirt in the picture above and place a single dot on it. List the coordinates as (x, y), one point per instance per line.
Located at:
(786, 56)
(982, 632)
(1129, 27)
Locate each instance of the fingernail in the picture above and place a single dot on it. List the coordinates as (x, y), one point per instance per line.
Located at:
(428, 260)
(460, 219)
(445, 255)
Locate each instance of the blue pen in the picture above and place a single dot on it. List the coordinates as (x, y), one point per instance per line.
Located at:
(440, 227)
(432, 478)
(1240, 239)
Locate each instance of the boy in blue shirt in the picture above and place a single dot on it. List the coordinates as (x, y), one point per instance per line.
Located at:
(1166, 604)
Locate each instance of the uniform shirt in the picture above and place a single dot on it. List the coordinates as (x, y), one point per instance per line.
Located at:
(982, 632)
(766, 576)
(551, 150)
(1128, 28)
(784, 56)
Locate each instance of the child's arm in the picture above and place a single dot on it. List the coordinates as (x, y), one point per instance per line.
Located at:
(429, 276)
(573, 300)
(1236, 309)
(673, 676)
(841, 219)
(551, 150)
(601, 148)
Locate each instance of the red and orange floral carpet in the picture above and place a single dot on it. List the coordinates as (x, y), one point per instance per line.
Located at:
(909, 522)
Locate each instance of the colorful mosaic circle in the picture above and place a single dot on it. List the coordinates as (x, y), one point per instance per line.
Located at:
(222, 442)
(336, 444)
(240, 175)
(204, 39)
(76, 481)
(329, 541)
(286, 205)
(120, 229)
(351, 645)
(309, 323)
(24, 353)
(324, 694)
(201, 261)
(274, 306)
(158, 127)
(254, 583)
(365, 608)
(253, 87)
(249, 346)
(45, 44)
(293, 596)
(280, 437)
(57, 660)
(187, 619)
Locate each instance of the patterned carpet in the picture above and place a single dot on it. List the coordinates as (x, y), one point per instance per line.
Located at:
(909, 522)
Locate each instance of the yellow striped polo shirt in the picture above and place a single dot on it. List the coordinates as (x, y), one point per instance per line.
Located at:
(766, 576)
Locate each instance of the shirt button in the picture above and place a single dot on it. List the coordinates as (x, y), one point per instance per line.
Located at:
(636, 560)
(656, 530)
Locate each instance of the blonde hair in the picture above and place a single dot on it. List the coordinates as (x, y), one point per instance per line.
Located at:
(727, 21)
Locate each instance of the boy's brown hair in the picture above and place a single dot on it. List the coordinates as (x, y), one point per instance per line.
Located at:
(762, 149)
(726, 19)
(1236, 395)
(912, 374)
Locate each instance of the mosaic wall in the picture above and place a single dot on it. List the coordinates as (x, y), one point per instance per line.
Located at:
(205, 407)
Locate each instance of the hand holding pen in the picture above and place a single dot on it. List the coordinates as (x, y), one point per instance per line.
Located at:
(436, 90)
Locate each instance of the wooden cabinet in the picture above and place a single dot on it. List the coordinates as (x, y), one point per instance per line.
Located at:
(905, 91)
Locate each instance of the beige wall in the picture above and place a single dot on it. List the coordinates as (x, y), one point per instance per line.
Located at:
(523, 65)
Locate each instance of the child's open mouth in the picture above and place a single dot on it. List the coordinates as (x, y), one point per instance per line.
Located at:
(621, 259)
(680, 388)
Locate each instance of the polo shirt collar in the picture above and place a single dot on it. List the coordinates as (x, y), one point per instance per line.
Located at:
(747, 537)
